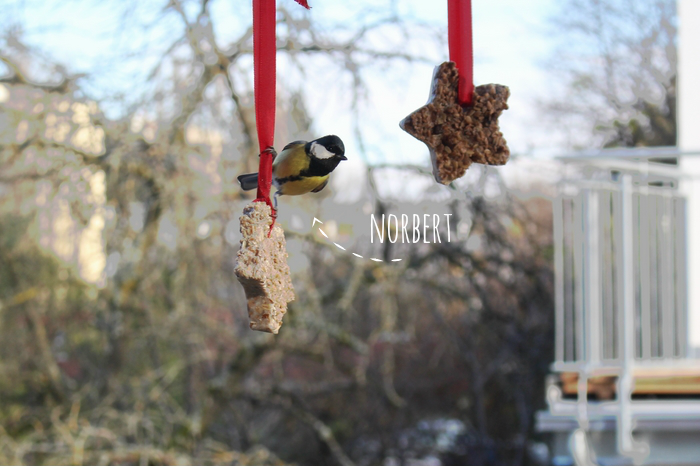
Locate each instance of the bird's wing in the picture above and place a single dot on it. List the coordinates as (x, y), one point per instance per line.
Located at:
(321, 186)
(291, 162)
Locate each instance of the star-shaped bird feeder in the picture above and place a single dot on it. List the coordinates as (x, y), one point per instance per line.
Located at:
(459, 135)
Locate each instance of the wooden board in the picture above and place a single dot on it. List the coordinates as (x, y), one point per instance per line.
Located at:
(647, 381)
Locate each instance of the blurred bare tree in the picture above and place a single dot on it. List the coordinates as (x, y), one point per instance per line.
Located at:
(619, 60)
(123, 332)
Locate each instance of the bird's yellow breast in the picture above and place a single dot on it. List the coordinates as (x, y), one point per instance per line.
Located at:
(305, 185)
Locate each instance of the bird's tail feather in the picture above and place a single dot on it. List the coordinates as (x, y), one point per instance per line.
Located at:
(248, 181)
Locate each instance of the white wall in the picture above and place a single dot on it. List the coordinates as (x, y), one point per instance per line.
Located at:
(689, 140)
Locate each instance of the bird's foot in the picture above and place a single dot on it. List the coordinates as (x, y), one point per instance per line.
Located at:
(270, 150)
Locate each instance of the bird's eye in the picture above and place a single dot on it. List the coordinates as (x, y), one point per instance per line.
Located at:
(334, 149)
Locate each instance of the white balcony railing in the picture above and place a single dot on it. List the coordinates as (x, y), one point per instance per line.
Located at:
(620, 289)
(590, 239)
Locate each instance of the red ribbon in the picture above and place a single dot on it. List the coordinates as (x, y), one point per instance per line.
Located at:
(459, 29)
(264, 68)
(265, 72)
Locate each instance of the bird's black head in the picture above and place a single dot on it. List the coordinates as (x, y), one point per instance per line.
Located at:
(327, 147)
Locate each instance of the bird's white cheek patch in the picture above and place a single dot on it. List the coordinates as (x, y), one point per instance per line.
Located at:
(320, 151)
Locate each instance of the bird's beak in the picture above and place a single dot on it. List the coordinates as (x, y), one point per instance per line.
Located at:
(342, 157)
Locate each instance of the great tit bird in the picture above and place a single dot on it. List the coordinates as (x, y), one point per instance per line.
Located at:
(302, 166)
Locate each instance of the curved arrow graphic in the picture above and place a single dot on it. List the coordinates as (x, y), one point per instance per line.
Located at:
(343, 248)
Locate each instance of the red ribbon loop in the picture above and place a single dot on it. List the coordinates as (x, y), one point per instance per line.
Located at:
(459, 29)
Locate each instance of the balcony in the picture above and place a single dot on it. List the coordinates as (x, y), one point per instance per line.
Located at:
(625, 384)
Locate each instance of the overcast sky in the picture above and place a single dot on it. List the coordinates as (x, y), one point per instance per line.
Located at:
(510, 42)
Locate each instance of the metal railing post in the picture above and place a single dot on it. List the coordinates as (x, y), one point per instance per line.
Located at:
(625, 442)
